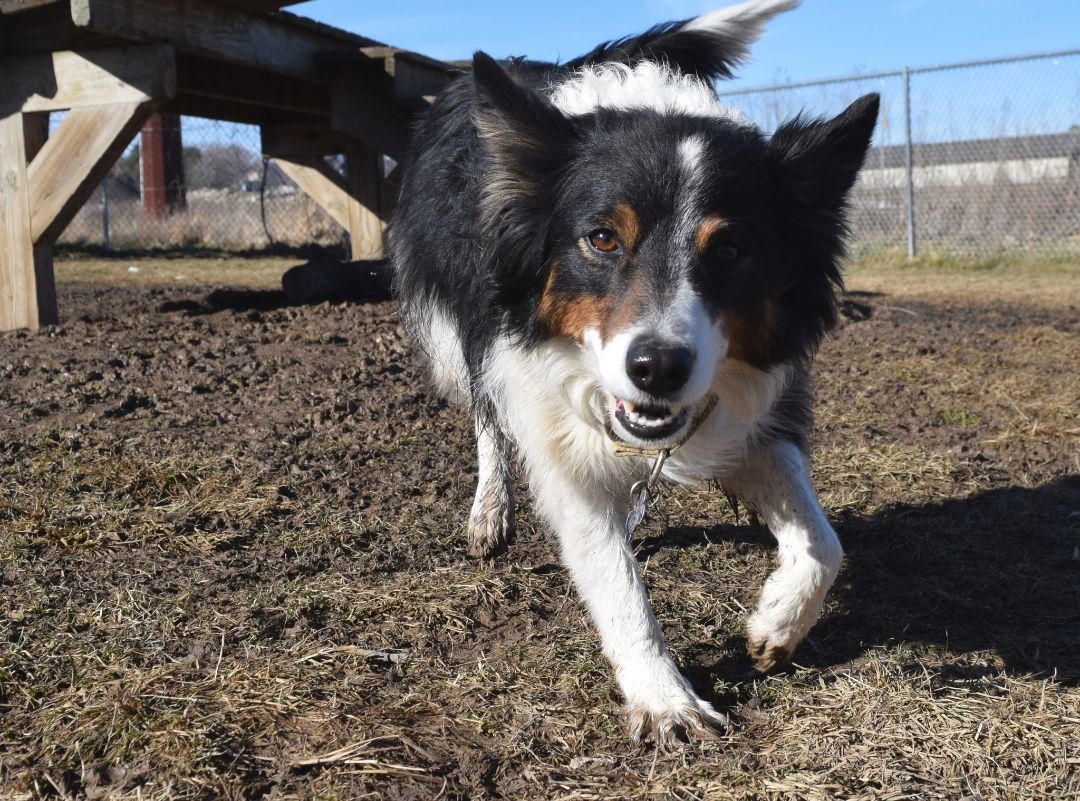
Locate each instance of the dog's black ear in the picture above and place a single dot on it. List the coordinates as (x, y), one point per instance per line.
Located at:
(523, 134)
(814, 165)
(820, 159)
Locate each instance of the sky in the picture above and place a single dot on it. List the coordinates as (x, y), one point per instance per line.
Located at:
(820, 39)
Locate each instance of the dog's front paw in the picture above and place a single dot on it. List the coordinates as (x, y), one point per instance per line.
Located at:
(696, 720)
(662, 706)
(491, 527)
(770, 649)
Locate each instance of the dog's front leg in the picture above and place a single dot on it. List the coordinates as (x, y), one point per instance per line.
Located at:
(590, 527)
(774, 481)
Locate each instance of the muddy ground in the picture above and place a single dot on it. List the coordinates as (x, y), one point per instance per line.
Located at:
(232, 564)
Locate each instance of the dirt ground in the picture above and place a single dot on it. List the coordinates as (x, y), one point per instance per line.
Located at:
(232, 564)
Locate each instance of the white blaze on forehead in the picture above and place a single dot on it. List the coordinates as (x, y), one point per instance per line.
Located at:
(690, 153)
(692, 163)
(646, 85)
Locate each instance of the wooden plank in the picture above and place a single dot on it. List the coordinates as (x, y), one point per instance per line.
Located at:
(18, 279)
(414, 75)
(74, 161)
(371, 119)
(258, 5)
(230, 111)
(202, 77)
(365, 227)
(43, 29)
(273, 43)
(304, 139)
(398, 74)
(15, 6)
(75, 79)
(321, 182)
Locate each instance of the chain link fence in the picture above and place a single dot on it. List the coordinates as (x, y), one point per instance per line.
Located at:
(233, 199)
(974, 158)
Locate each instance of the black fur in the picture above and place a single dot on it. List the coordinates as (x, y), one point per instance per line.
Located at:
(690, 52)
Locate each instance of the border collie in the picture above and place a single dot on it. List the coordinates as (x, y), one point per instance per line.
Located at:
(608, 265)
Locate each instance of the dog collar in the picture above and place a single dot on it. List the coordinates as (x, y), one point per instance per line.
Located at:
(623, 449)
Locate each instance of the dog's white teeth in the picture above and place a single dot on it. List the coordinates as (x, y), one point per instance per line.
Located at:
(643, 420)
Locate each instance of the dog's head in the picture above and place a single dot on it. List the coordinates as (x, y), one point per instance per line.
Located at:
(663, 240)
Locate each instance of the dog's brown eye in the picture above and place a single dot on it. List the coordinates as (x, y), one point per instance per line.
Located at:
(726, 252)
(603, 240)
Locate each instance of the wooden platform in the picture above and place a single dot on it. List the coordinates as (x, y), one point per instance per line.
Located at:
(314, 90)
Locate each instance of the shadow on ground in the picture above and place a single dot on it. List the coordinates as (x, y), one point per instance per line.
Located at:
(996, 571)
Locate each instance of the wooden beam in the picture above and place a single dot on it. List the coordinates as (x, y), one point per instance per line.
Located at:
(321, 182)
(75, 79)
(364, 115)
(206, 78)
(230, 111)
(412, 75)
(74, 161)
(275, 43)
(15, 6)
(42, 29)
(311, 139)
(18, 281)
(365, 227)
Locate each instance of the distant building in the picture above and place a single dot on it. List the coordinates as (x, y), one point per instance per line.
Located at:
(1047, 158)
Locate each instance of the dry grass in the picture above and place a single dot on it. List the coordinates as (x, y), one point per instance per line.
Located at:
(1048, 280)
(255, 272)
(206, 602)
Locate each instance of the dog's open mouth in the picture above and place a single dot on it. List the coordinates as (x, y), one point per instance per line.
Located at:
(649, 422)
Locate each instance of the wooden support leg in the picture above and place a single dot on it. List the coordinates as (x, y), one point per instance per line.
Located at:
(27, 297)
(365, 226)
(40, 193)
(44, 180)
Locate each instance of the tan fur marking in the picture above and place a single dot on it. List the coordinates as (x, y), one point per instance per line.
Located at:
(569, 317)
(705, 230)
(627, 225)
(750, 337)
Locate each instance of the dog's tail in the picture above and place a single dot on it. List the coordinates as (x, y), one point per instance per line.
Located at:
(709, 46)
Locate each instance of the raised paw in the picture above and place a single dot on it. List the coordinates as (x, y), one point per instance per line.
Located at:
(491, 527)
(768, 657)
(670, 727)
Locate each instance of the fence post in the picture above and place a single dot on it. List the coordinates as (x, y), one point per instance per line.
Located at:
(105, 213)
(910, 167)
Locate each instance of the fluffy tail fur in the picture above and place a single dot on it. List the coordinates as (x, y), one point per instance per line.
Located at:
(709, 46)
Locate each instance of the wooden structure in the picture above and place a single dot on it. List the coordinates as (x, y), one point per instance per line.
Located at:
(110, 64)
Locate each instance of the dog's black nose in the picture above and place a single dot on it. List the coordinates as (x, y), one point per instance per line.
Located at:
(658, 368)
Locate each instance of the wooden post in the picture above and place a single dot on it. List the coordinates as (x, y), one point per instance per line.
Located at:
(18, 278)
(364, 169)
(161, 163)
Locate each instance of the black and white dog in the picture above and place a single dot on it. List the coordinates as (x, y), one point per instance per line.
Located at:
(601, 254)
